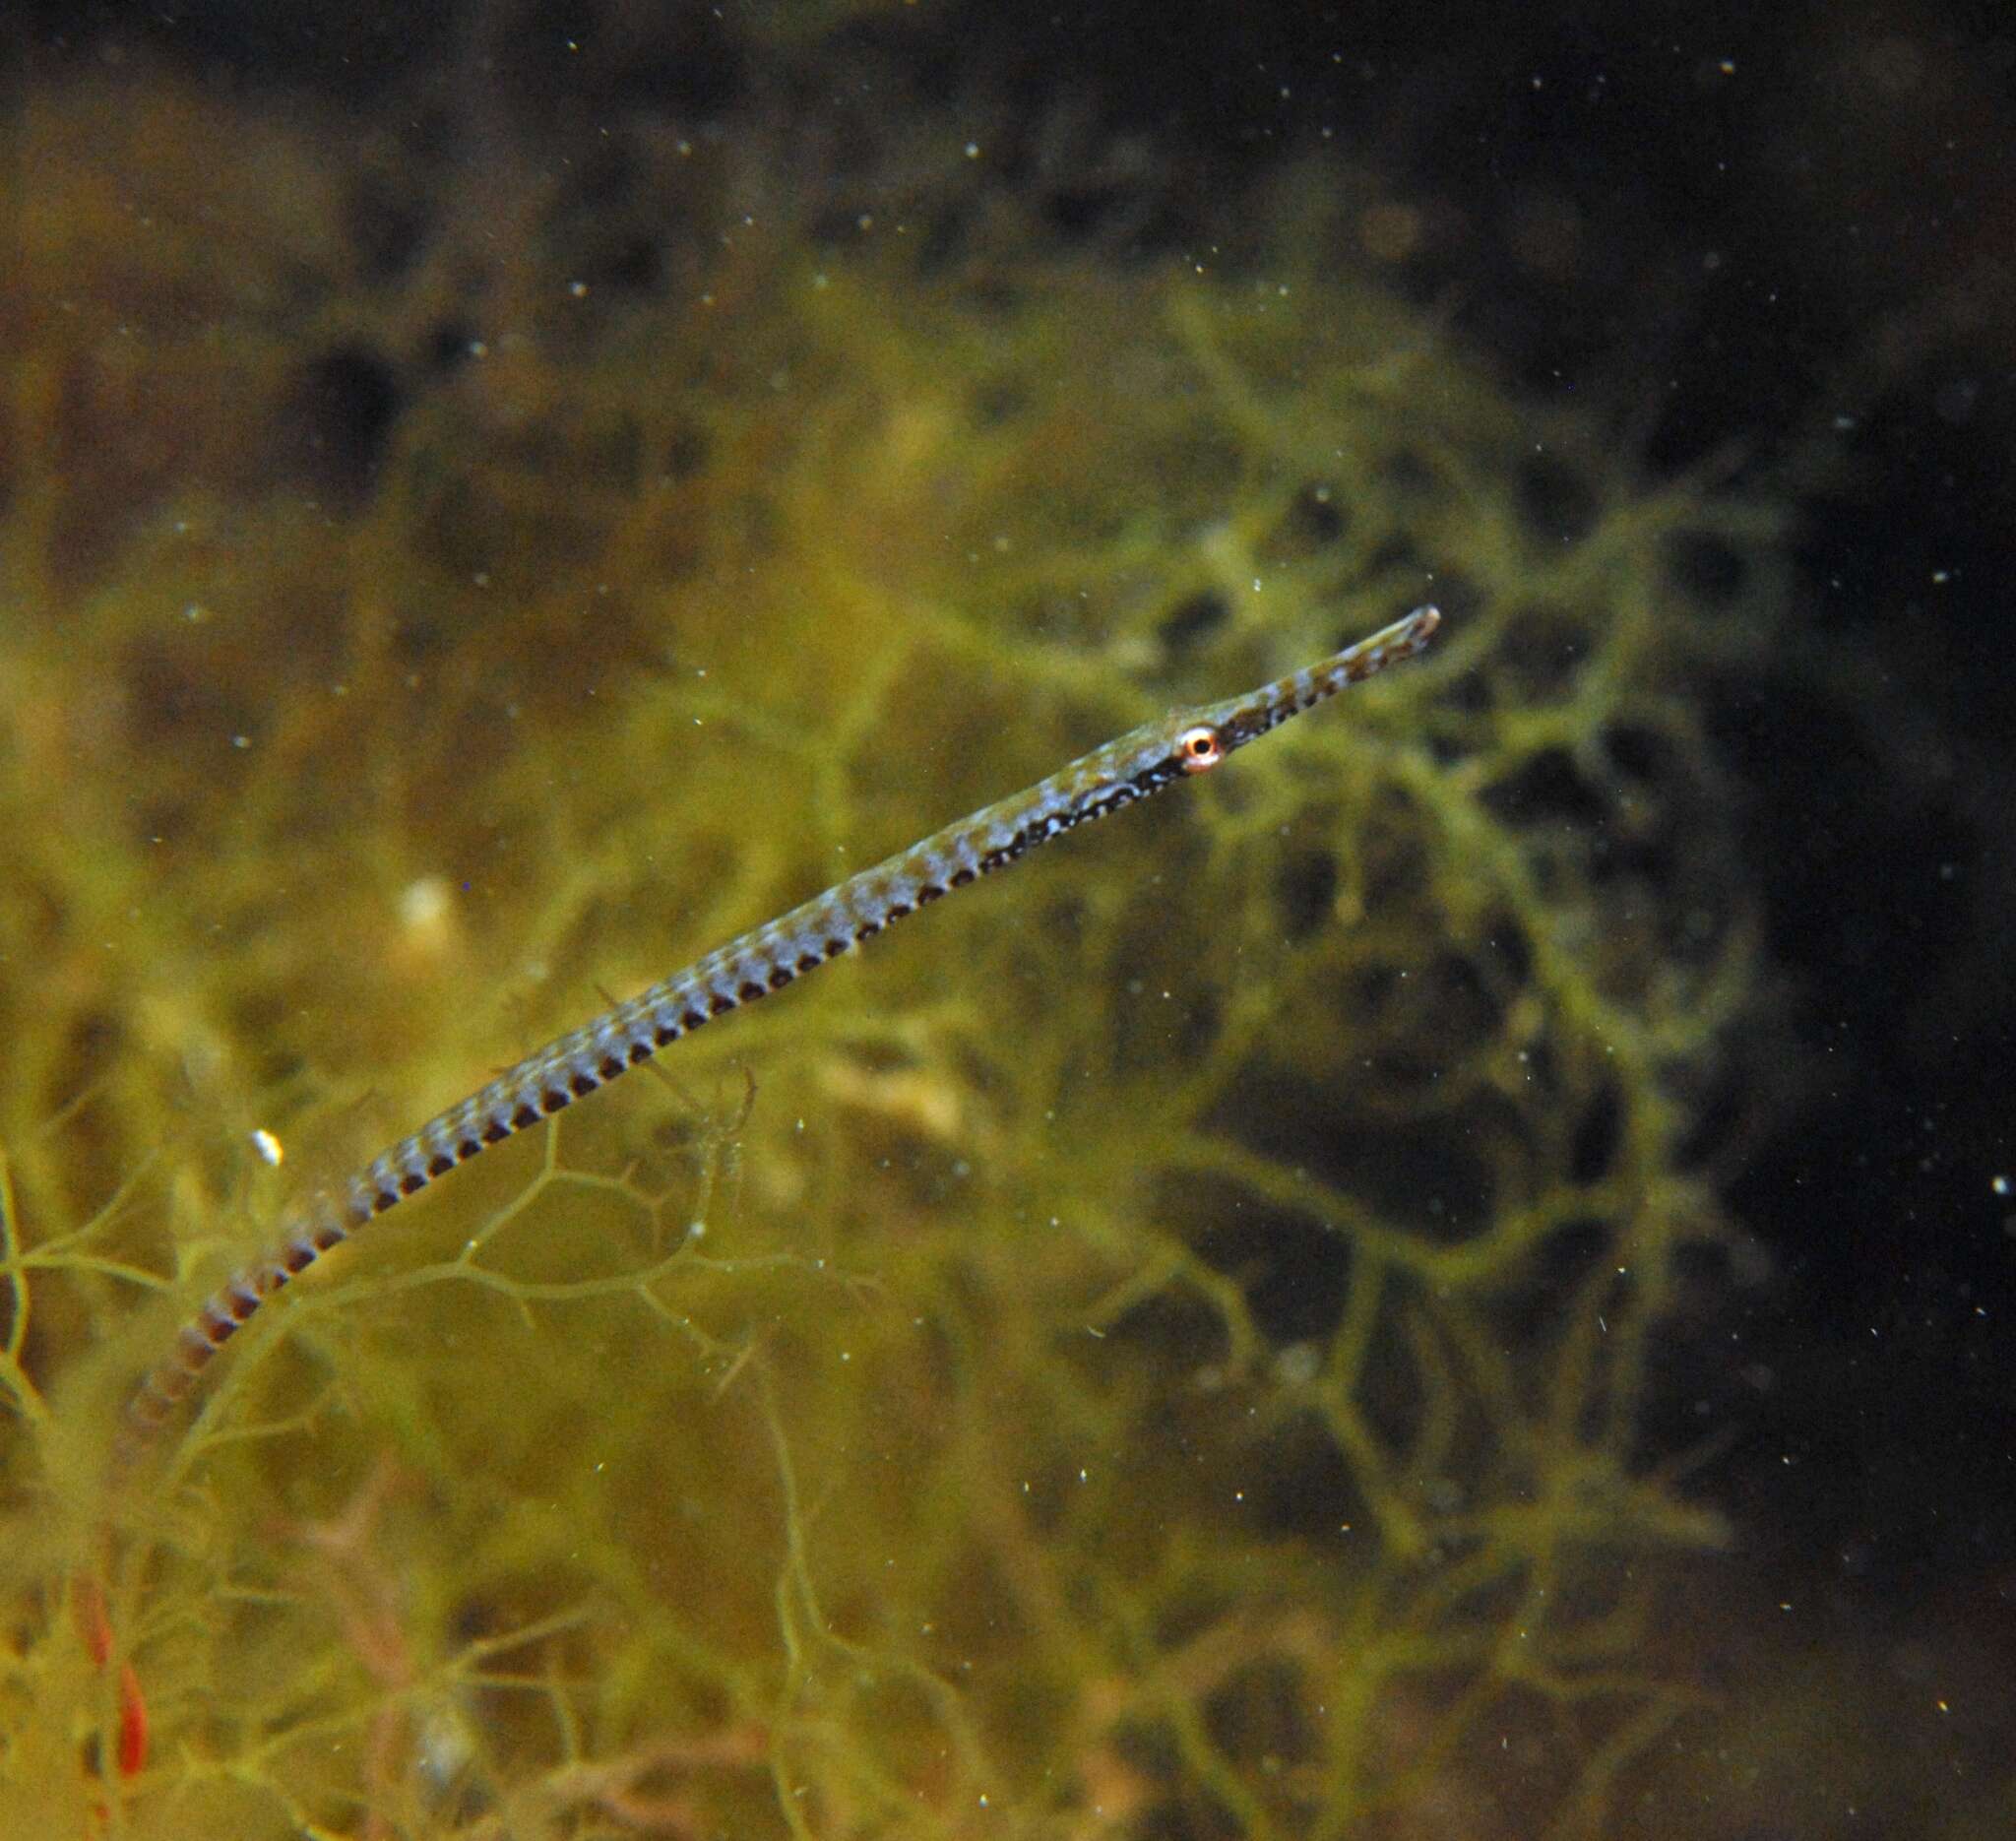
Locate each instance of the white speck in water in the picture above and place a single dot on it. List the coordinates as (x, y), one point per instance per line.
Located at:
(424, 903)
(1297, 1365)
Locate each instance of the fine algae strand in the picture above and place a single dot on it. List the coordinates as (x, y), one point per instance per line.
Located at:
(754, 964)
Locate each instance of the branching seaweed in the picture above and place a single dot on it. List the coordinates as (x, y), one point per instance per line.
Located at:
(1164, 1351)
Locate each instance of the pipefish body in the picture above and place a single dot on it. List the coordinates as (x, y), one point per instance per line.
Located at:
(754, 964)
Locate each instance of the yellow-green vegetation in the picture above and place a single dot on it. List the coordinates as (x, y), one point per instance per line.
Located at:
(1156, 1347)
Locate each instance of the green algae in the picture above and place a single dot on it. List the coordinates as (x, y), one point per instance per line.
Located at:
(1157, 1348)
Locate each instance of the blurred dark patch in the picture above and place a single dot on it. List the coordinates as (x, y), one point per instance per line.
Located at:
(335, 422)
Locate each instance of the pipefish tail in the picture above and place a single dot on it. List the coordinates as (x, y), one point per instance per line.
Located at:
(763, 960)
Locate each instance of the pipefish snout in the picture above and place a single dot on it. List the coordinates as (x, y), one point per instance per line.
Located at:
(754, 964)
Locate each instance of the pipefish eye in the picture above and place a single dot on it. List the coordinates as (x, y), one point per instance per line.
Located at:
(1199, 749)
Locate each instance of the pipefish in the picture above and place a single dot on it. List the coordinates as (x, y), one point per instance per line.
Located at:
(765, 959)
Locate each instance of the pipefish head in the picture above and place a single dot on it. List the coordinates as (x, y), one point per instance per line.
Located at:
(1210, 733)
